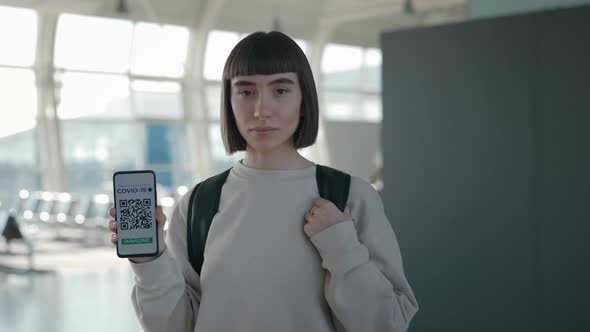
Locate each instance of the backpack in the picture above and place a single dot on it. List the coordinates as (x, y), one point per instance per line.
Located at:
(333, 185)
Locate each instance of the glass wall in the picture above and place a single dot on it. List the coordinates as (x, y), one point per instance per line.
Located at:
(19, 151)
(219, 45)
(120, 100)
(351, 83)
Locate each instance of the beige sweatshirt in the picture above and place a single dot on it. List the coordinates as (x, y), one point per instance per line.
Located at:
(262, 273)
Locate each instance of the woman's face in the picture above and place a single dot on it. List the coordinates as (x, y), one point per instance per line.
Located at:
(266, 109)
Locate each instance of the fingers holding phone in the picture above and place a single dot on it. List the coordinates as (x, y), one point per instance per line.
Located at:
(137, 221)
(113, 226)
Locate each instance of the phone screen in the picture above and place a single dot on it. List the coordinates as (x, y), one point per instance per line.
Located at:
(135, 203)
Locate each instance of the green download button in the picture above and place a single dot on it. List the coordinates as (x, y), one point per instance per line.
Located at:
(138, 240)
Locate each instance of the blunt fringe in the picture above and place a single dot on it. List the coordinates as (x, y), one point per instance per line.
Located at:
(266, 53)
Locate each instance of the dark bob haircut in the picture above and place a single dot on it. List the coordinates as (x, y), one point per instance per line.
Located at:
(263, 53)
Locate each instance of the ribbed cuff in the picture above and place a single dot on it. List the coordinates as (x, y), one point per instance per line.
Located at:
(339, 247)
(161, 269)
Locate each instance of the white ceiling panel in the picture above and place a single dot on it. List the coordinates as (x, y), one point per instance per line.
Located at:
(357, 21)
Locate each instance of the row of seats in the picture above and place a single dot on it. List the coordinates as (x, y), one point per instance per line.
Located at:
(60, 211)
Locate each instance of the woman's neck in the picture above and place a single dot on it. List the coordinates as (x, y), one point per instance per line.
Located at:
(275, 160)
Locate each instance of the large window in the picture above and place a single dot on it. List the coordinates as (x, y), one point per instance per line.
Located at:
(93, 149)
(159, 50)
(156, 100)
(83, 95)
(120, 104)
(219, 45)
(18, 35)
(19, 153)
(120, 101)
(351, 83)
(93, 44)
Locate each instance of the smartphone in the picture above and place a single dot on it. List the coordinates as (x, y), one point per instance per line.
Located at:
(135, 202)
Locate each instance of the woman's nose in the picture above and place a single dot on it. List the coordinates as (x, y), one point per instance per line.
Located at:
(262, 107)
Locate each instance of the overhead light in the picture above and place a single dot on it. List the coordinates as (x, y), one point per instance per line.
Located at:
(65, 197)
(28, 215)
(24, 194)
(101, 199)
(47, 196)
(182, 190)
(409, 7)
(79, 219)
(167, 201)
(122, 7)
(276, 24)
(44, 216)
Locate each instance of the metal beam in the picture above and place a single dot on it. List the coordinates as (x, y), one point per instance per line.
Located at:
(371, 12)
(195, 94)
(320, 150)
(53, 169)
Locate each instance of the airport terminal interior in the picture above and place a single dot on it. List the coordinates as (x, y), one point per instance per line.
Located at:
(92, 87)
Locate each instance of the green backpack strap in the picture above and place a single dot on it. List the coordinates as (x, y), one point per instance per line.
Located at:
(333, 185)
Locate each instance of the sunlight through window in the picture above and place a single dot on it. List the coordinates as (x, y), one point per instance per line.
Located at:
(18, 30)
(219, 45)
(92, 43)
(19, 107)
(93, 95)
(159, 50)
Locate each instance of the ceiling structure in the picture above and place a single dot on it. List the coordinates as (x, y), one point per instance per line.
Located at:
(355, 22)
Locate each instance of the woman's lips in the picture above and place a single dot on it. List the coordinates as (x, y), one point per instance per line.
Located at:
(263, 132)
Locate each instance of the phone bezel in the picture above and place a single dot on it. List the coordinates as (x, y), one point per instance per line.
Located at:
(155, 202)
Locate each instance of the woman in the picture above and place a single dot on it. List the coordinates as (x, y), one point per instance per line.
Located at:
(277, 256)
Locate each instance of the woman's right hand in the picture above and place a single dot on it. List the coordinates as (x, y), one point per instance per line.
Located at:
(160, 219)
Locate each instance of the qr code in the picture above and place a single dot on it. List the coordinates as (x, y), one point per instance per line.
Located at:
(135, 213)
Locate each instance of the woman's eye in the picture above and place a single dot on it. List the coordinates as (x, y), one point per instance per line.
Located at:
(245, 93)
(282, 91)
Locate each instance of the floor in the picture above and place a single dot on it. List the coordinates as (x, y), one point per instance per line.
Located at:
(73, 287)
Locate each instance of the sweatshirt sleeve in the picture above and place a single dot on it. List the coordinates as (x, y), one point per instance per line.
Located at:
(365, 284)
(167, 290)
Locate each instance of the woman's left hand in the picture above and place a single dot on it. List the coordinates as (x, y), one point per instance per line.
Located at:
(322, 215)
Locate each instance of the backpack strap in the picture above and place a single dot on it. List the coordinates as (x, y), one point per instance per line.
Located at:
(332, 184)
(203, 205)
